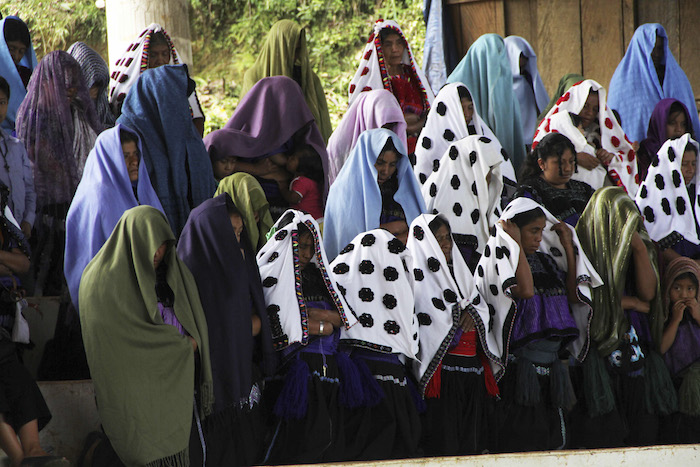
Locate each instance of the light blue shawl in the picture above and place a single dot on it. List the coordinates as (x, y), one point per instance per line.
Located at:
(8, 70)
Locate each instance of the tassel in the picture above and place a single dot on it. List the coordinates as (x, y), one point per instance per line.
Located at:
(421, 406)
(434, 386)
(489, 380)
(528, 387)
(660, 394)
(689, 392)
(597, 385)
(293, 400)
(562, 391)
(373, 391)
(352, 392)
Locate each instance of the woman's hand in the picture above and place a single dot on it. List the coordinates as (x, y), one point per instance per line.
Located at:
(193, 342)
(637, 243)
(677, 311)
(327, 316)
(255, 319)
(587, 161)
(604, 156)
(564, 233)
(511, 229)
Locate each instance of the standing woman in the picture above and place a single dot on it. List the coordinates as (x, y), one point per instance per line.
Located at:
(96, 74)
(17, 63)
(387, 63)
(146, 342)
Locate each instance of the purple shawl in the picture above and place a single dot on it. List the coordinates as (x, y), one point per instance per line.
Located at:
(656, 134)
(230, 289)
(46, 125)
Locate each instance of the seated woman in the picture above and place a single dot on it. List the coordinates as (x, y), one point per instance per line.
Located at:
(669, 120)
(546, 178)
(147, 343)
(17, 63)
(605, 156)
(565, 83)
(285, 53)
(178, 166)
(451, 119)
(625, 374)
(249, 198)
(151, 49)
(372, 109)
(387, 63)
(645, 75)
(96, 74)
(307, 311)
(376, 188)
(486, 72)
(546, 309)
(372, 273)
(114, 180)
(466, 189)
(214, 247)
(667, 199)
(454, 361)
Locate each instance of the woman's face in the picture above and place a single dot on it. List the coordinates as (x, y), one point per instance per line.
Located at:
(386, 165)
(131, 158)
(442, 235)
(160, 254)
(224, 167)
(682, 289)
(17, 50)
(551, 168)
(306, 249)
(590, 109)
(237, 224)
(393, 48)
(531, 235)
(468, 109)
(676, 125)
(688, 166)
(657, 53)
(158, 55)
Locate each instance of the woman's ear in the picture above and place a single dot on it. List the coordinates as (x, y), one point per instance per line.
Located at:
(540, 163)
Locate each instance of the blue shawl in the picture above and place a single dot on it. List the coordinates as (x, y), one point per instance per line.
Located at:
(486, 72)
(636, 71)
(354, 201)
(177, 161)
(103, 195)
(8, 70)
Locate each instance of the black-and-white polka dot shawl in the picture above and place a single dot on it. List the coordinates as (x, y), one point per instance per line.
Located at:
(445, 125)
(278, 261)
(441, 299)
(495, 275)
(669, 213)
(373, 275)
(459, 190)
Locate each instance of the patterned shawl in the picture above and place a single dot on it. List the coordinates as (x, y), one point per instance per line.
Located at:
(8, 70)
(565, 83)
(96, 73)
(656, 133)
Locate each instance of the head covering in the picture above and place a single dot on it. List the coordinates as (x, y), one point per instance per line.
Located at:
(58, 135)
(139, 365)
(446, 125)
(528, 89)
(103, 195)
(459, 190)
(177, 162)
(565, 83)
(249, 198)
(354, 201)
(486, 72)
(635, 88)
(605, 229)
(442, 295)
(8, 70)
(372, 273)
(372, 73)
(278, 261)
(96, 73)
(230, 289)
(623, 167)
(669, 213)
(371, 109)
(135, 61)
(278, 57)
(656, 133)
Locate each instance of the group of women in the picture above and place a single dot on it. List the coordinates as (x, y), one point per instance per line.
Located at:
(278, 292)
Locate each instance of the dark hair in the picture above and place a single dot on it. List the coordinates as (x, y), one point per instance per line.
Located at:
(687, 275)
(617, 116)
(5, 86)
(552, 145)
(438, 222)
(524, 218)
(231, 208)
(386, 32)
(679, 107)
(127, 137)
(303, 229)
(17, 30)
(690, 147)
(464, 93)
(310, 164)
(158, 38)
(389, 146)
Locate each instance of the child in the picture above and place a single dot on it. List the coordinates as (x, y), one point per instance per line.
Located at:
(304, 193)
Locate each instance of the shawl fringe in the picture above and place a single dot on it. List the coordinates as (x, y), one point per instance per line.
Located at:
(660, 394)
(181, 459)
(597, 386)
(689, 392)
(293, 401)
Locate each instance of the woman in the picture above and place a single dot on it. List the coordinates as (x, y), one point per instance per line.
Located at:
(58, 124)
(451, 119)
(156, 110)
(151, 49)
(387, 63)
(565, 83)
(546, 178)
(17, 63)
(466, 189)
(486, 72)
(372, 109)
(376, 188)
(454, 367)
(646, 74)
(114, 180)
(146, 342)
(604, 153)
(214, 247)
(96, 74)
(285, 53)
(307, 312)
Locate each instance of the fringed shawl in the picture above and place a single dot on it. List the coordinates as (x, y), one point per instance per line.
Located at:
(96, 73)
(8, 70)
(565, 83)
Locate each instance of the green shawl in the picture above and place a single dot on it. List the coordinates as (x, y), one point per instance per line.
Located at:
(249, 198)
(277, 58)
(565, 83)
(143, 370)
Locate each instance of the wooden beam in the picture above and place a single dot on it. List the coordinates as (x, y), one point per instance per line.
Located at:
(558, 40)
(602, 38)
(690, 44)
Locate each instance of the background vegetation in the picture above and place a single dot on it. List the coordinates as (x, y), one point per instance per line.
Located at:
(227, 35)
